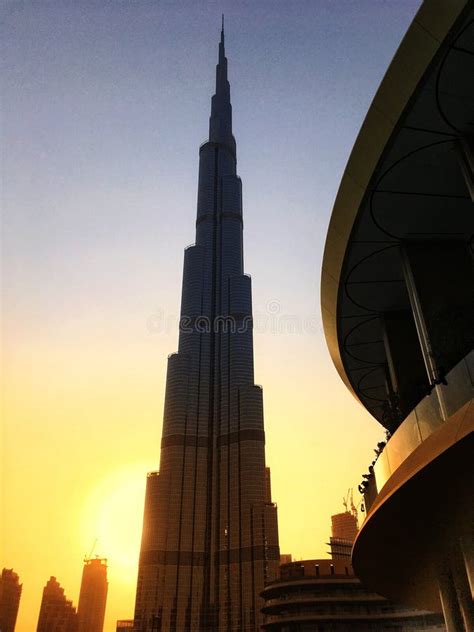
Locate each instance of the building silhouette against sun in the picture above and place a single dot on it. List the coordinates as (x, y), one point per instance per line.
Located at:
(57, 614)
(10, 593)
(210, 537)
(93, 595)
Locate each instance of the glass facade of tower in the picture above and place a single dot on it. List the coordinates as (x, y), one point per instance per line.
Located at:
(210, 536)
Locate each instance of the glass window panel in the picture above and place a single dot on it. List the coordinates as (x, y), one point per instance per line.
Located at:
(459, 389)
(405, 440)
(429, 415)
(382, 470)
(370, 494)
(470, 365)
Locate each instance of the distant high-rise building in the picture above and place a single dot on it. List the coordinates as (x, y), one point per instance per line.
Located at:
(210, 537)
(344, 526)
(10, 593)
(344, 530)
(57, 614)
(93, 595)
(285, 558)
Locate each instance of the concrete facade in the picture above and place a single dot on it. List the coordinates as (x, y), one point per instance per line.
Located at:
(344, 528)
(210, 537)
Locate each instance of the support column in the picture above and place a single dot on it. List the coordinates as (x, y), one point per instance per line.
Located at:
(463, 589)
(465, 151)
(406, 368)
(422, 329)
(449, 601)
(467, 550)
(439, 279)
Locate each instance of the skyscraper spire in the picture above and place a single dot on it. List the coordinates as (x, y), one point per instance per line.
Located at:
(210, 535)
(220, 123)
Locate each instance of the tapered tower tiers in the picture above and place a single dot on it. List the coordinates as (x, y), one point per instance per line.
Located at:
(210, 536)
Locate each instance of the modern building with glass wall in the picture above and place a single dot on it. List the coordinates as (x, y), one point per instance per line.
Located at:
(398, 311)
(210, 532)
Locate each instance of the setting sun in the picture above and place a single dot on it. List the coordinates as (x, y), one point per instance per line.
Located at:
(112, 521)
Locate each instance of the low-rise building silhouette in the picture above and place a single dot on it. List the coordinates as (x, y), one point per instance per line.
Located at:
(325, 595)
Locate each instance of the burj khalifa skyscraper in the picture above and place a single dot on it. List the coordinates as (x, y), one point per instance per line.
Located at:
(210, 535)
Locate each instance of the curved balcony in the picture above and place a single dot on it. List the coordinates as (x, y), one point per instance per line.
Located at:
(403, 219)
(422, 423)
(397, 295)
(418, 533)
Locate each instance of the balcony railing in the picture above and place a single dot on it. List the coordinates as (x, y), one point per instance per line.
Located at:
(425, 419)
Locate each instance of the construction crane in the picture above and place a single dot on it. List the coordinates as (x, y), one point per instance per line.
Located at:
(348, 501)
(346, 498)
(349, 505)
(88, 557)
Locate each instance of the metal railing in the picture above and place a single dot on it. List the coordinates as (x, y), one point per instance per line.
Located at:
(423, 420)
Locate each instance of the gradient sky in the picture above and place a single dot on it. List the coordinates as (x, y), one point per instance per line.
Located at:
(104, 107)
